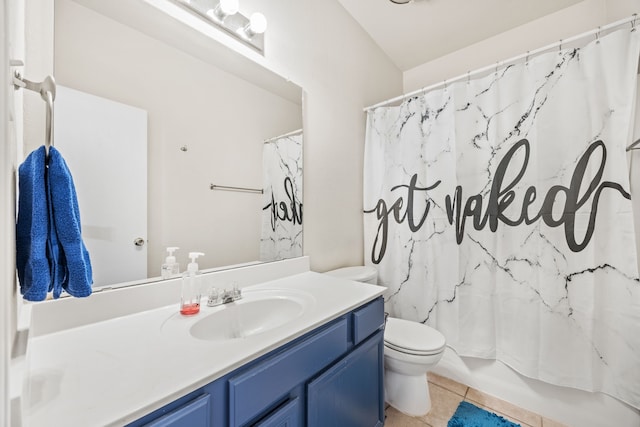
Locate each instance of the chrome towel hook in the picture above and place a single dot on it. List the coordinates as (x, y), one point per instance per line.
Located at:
(47, 90)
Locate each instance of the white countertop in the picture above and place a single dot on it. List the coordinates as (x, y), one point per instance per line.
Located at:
(113, 372)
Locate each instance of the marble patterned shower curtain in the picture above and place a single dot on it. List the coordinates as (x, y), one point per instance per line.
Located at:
(498, 211)
(281, 236)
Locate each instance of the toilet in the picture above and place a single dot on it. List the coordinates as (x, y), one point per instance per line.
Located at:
(411, 349)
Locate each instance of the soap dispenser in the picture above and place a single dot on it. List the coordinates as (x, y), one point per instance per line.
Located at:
(170, 268)
(190, 302)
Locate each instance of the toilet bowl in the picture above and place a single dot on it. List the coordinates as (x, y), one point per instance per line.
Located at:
(411, 349)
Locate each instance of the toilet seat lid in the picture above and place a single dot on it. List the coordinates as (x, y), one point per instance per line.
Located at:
(358, 273)
(413, 337)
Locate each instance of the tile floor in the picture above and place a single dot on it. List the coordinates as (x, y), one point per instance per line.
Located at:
(446, 394)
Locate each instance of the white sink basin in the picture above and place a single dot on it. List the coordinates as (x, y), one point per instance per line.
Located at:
(257, 312)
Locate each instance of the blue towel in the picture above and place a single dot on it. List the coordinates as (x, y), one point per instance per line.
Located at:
(71, 263)
(50, 253)
(32, 228)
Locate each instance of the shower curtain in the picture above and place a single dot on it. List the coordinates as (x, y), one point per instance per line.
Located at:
(281, 235)
(498, 211)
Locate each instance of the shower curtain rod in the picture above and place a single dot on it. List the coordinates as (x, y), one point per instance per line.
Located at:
(295, 132)
(597, 31)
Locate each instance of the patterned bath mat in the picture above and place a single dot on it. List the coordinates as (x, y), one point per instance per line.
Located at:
(469, 415)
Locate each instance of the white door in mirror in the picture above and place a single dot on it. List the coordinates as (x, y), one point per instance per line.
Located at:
(105, 146)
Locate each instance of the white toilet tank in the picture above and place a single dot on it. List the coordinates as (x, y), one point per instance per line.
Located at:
(363, 274)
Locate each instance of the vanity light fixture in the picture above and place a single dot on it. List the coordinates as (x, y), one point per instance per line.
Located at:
(225, 15)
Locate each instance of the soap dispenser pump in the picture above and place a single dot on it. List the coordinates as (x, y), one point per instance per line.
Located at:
(190, 301)
(170, 268)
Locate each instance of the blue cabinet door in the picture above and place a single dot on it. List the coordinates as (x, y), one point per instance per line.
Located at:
(350, 393)
(194, 414)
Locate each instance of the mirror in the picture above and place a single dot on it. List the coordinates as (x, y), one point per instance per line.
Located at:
(209, 117)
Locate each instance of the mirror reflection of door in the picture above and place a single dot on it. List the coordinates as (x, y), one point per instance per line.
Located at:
(105, 146)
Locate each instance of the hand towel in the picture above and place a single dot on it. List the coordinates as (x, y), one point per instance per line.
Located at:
(72, 265)
(32, 228)
(54, 250)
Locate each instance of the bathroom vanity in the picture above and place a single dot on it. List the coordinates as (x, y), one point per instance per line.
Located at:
(331, 376)
(303, 349)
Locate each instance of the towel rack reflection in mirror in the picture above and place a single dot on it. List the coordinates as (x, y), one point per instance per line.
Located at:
(47, 90)
(241, 189)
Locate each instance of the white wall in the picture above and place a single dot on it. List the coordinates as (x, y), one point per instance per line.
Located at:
(573, 407)
(221, 119)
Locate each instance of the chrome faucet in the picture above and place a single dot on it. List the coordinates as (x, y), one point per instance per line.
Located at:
(217, 297)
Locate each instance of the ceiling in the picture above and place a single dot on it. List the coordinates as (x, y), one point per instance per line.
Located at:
(422, 30)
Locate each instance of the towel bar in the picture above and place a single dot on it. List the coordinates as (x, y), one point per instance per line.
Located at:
(47, 90)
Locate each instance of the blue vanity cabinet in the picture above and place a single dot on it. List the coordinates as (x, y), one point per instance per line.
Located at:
(331, 376)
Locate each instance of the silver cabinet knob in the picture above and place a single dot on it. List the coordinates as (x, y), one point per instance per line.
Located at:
(139, 241)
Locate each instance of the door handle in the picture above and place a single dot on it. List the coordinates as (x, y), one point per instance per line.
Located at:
(139, 241)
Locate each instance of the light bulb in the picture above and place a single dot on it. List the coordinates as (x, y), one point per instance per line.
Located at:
(223, 9)
(257, 23)
(229, 7)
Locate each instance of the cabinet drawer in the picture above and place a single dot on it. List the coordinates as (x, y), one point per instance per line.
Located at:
(253, 391)
(285, 416)
(368, 320)
(196, 413)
